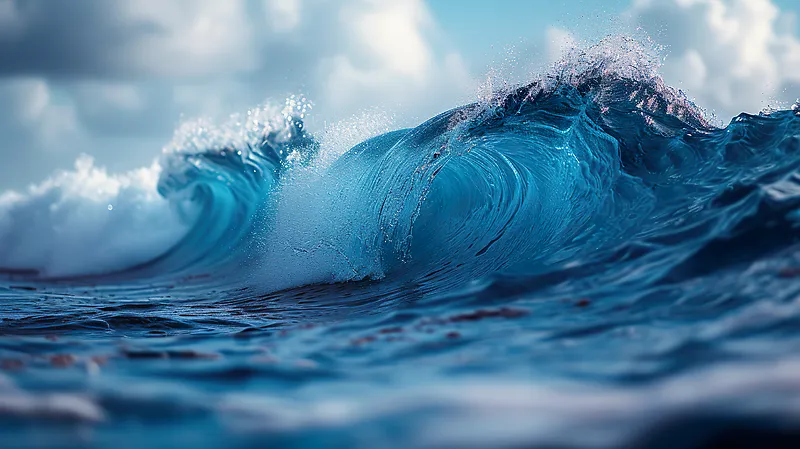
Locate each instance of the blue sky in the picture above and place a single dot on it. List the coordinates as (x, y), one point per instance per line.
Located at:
(483, 29)
(113, 78)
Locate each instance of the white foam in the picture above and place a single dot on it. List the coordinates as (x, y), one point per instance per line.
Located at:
(316, 218)
(87, 221)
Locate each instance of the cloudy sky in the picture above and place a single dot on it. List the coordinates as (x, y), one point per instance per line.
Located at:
(112, 78)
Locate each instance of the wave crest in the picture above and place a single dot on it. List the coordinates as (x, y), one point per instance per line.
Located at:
(598, 155)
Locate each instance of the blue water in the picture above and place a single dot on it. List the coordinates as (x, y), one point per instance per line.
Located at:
(585, 261)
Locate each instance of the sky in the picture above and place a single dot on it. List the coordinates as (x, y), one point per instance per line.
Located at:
(113, 78)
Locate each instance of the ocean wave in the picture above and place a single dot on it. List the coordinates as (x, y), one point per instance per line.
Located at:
(598, 156)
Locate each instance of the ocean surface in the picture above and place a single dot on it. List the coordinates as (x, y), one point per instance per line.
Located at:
(585, 260)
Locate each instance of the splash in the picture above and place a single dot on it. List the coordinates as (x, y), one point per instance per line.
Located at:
(583, 251)
(597, 154)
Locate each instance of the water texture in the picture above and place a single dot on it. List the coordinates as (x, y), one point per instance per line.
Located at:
(584, 261)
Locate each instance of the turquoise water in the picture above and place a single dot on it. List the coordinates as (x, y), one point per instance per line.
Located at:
(583, 261)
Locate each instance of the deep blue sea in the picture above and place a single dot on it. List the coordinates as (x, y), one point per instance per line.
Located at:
(585, 260)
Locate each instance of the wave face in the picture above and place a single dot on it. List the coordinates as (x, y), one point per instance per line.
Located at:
(600, 155)
(192, 210)
(586, 251)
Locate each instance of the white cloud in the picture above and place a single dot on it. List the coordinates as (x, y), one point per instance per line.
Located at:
(10, 23)
(125, 80)
(196, 37)
(347, 56)
(30, 98)
(731, 55)
(104, 96)
(34, 110)
(392, 32)
(391, 62)
(558, 42)
(283, 15)
(126, 38)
